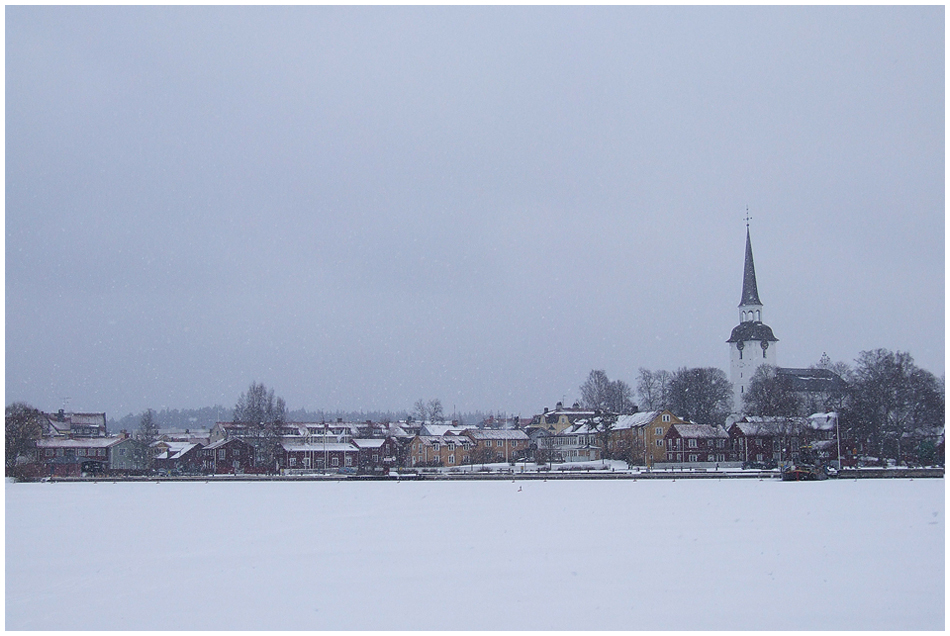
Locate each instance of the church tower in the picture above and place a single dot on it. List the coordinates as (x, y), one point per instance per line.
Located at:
(752, 343)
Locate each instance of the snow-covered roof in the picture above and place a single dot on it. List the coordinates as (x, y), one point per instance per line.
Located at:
(374, 442)
(768, 425)
(319, 448)
(496, 433)
(181, 449)
(441, 429)
(635, 420)
(823, 421)
(84, 442)
(222, 442)
(699, 430)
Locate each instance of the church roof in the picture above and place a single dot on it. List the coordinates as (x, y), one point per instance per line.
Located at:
(750, 292)
(752, 331)
(812, 380)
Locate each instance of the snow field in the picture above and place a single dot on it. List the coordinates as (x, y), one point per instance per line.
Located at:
(525, 555)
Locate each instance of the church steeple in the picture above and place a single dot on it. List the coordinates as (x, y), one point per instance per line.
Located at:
(750, 291)
(752, 342)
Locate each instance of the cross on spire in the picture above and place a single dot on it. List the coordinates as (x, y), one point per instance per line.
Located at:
(747, 217)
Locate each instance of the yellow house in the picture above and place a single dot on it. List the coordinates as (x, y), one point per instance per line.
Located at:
(638, 438)
(561, 418)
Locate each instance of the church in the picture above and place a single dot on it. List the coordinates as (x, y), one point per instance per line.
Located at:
(753, 344)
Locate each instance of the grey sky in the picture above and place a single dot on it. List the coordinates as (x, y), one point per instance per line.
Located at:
(361, 207)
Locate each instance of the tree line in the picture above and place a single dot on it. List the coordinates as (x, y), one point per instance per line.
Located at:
(884, 401)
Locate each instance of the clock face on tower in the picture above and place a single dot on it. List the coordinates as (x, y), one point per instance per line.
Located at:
(740, 345)
(765, 345)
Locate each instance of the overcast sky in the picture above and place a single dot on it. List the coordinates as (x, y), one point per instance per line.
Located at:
(361, 207)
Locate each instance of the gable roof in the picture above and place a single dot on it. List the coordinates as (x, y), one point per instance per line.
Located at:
(752, 425)
(698, 430)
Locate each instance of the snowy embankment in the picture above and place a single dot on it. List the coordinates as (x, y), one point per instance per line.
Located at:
(576, 555)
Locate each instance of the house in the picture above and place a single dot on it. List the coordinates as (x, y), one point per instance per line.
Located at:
(560, 418)
(233, 456)
(75, 457)
(181, 457)
(377, 455)
(441, 450)
(579, 442)
(691, 445)
(640, 438)
(65, 457)
(62, 424)
(497, 445)
(129, 456)
(769, 440)
(319, 456)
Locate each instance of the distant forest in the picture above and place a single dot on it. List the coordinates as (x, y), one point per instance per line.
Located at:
(204, 418)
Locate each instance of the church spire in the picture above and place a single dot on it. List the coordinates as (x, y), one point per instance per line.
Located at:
(750, 292)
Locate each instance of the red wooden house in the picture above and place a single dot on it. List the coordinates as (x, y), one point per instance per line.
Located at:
(332, 456)
(228, 457)
(698, 444)
(377, 455)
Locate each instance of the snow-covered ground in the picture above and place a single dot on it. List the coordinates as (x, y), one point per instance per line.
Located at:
(547, 555)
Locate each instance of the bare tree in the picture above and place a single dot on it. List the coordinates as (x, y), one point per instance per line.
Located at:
(771, 394)
(594, 391)
(430, 411)
(23, 427)
(263, 415)
(599, 393)
(891, 398)
(702, 395)
(435, 410)
(653, 388)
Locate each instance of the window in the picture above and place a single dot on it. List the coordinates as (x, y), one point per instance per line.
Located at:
(335, 461)
(451, 446)
(500, 443)
(348, 460)
(221, 453)
(81, 452)
(659, 442)
(121, 452)
(692, 443)
(666, 417)
(375, 458)
(435, 446)
(293, 461)
(658, 430)
(451, 459)
(694, 458)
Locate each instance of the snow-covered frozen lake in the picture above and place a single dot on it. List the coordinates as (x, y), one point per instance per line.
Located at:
(528, 555)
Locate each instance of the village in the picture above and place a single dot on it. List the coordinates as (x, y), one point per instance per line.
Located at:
(79, 445)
